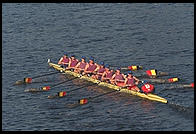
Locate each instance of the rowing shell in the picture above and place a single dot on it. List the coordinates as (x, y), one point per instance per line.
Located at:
(149, 96)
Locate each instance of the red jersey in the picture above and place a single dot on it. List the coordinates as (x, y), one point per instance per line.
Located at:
(147, 88)
(65, 60)
(91, 67)
(73, 63)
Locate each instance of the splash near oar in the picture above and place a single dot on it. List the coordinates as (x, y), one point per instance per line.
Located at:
(28, 80)
(19, 82)
(172, 80)
(191, 85)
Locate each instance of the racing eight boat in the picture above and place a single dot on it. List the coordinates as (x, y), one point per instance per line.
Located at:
(149, 96)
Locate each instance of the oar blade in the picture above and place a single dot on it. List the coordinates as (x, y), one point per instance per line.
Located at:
(46, 88)
(133, 68)
(172, 80)
(28, 80)
(83, 101)
(151, 73)
(58, 95)
(25, 81)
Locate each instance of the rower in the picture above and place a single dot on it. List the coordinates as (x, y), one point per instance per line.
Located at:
(100, 70)
(107, 74)
(64, 61)
(147, 87)
(118, 78)
(90, 67)
(79, 68)
(72, 63)
(131, 82)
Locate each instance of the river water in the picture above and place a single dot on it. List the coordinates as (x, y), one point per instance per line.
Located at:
(159, 36)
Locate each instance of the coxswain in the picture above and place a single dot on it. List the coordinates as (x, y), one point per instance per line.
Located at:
(99, 71)
(72, 63)
(64, 61)
(147, 87)
(107, 74)
(90, 67)
(79, 68)
(131, 82)
(118, 78)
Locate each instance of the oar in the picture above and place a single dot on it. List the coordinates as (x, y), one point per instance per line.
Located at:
(64, 93)
(158, 80)
(29, 80)
(46, 88)
(86, 100)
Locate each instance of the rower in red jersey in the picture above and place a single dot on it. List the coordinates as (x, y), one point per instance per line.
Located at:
(72, 63)
(118, 78)
(64, 61)
(79, 68)
(100, 70)
(107, 74)
(90, 67)
(131, 82)
(147, 87)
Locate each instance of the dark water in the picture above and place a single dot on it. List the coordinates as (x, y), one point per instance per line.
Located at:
(152, 35)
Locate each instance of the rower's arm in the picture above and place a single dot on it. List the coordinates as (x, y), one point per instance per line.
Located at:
(113, 76)
(69, 64)
(86, 67)
(102, 77)
(60, 60)
(125, 81)
(124, 76)
(96, 68)
(77, 65)
(137, 80)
